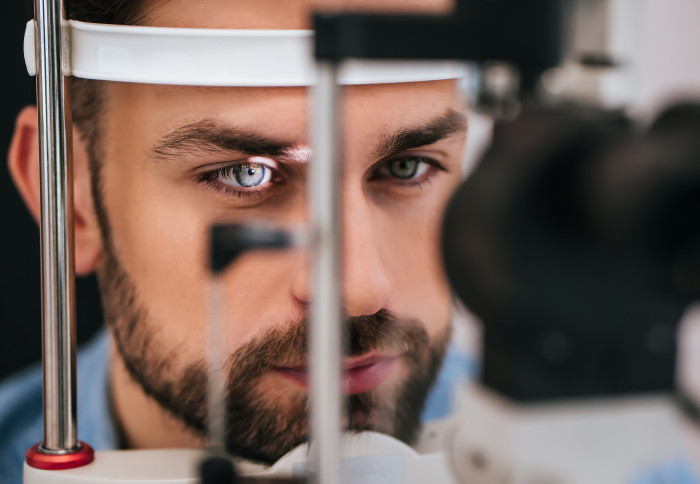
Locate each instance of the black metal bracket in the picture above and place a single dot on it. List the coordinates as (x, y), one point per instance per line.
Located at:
(228, 242)
(526, 34)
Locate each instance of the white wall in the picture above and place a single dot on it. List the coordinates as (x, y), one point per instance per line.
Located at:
(670, 59)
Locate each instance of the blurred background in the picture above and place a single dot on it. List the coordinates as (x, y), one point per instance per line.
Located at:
(668, 70)
(20, 289)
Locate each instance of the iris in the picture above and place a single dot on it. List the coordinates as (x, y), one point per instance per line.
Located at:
(404, 169)
(249, 175)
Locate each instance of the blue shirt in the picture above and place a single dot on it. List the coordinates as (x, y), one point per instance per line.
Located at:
(21, 422)
(21, 419)
(671, 472)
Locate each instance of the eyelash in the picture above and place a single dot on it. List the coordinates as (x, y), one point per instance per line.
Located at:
(210, 178)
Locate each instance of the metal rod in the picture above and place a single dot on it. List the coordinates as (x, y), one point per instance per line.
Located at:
(57, 269)
(326, 310)
(216, 395)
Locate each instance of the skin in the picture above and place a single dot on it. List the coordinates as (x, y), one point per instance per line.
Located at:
(159, 211)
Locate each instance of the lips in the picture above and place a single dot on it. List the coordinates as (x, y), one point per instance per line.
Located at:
(360, 374)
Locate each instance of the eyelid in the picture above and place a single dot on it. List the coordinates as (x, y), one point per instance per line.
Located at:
(261, 160)
(270, 163)
(382, 164)
(430, 157)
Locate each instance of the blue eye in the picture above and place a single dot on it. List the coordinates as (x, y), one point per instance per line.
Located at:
(246, 175)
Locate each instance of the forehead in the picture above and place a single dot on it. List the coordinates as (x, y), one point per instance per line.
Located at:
(282, 111)
(269, 14)
(367, 110)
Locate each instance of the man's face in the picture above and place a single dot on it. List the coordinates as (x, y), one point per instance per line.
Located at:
(175, 160)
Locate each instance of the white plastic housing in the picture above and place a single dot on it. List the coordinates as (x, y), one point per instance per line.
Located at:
(605, 441)
(370, 458)
(216, 57)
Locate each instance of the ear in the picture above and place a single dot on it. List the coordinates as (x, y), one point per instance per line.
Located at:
(23, 161)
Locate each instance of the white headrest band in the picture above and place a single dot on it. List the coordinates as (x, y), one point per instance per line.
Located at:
(217, 57)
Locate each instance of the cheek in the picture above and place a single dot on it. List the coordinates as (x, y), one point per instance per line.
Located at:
(410, 246)
(160, 234)
(160, 243)
(257, 295)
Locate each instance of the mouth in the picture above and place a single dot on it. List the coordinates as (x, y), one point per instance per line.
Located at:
(360, 374)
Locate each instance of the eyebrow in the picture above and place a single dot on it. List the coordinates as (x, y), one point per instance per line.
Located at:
(208, 136)
(424, 134)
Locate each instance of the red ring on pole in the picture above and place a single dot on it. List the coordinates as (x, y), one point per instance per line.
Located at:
(54, 462)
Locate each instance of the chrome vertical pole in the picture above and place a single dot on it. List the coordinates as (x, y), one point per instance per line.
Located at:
(326, 309)
(57, 269)
(216, 372)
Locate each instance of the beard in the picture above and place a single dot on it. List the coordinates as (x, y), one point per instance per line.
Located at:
(259, 427)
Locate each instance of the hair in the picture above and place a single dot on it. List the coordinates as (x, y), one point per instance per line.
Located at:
(124, 12)
(88, 96)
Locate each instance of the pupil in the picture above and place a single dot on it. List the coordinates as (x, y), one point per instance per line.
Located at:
(249, 175)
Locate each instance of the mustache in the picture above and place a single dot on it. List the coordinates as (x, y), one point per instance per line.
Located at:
(360, 335)
(257, 429)
(288, 347)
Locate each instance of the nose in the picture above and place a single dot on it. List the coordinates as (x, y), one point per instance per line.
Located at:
(365, 281)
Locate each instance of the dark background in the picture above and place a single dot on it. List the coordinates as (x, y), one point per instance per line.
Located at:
(20, 288)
